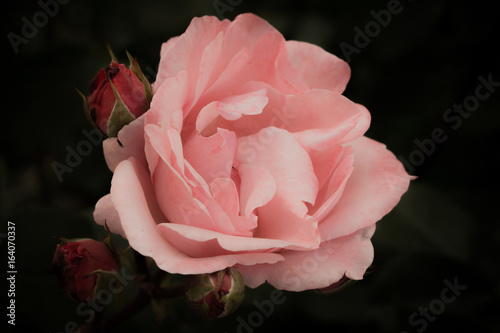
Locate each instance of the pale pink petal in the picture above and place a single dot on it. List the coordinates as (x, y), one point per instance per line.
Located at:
(243, 33)
(207, 62)
(169, 98)
(174, 193)
(130, 187)
(232, 70)
(319, 118)
(163, 50)
(375, 187)
(350, 255)
(230, 108)
(251, 63)
(193, 240)
(235, 106)
(225, 195)
(105, 214)
(279, 153)
(361, 126)
(324, 163)
(257, 187)
(182, 192)
(272, 115)
(186, 52)
(167, 45)
(284, 217)
(212, 157)
(277, 221)
(318, 68)
(332, 191)
(165, 142)
(130, 142)
(207, 119)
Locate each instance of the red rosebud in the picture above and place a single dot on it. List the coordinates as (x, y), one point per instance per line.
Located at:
(75, 264)
(118, 95)
(215, 295)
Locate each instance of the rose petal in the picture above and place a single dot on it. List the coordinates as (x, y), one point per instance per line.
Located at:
(194, 241)
(257, 188)
(319, 118)
(375, 187)
(284, 217)
(169, 98)
(212, 157)
(130, 142)
(331, 192)
(225, 194)
(276, 151)
(185, 53)
(130, 191)
(350, 255)
(105, 214)
(318, 68)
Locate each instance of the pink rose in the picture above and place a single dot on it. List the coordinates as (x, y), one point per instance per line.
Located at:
(250, 157)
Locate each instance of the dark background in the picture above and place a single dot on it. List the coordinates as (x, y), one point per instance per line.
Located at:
(428, 58)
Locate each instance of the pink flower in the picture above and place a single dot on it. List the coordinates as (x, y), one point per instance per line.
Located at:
(251, 157)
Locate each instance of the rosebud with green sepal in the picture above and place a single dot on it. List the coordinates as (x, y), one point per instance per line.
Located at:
(82, 266)
(118, 95)
(215, 295)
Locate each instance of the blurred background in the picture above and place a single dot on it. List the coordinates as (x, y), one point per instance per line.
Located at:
(408, 74)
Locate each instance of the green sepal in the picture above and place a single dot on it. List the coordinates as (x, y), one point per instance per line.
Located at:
(120, 116)
(108, 241)
(136, 69)
(111, 54)
(160, 304)
(63, 240)
(127, 259)
(109, 280)
(86, 109)
(233, 299)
